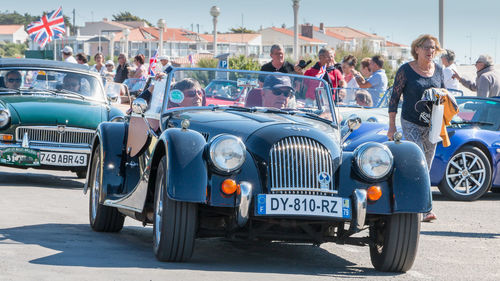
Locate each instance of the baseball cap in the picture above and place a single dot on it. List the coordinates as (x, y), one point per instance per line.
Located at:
(109, 62)
(275, 82)
(67, 50)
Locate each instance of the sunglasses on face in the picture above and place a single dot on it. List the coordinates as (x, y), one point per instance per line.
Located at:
(283, 92)
(191, 94)
(14, 80)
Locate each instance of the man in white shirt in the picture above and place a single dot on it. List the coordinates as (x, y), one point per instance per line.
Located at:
(448, 60)
(67, 54)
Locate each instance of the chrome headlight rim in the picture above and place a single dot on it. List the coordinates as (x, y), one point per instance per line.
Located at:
(358, 157)
(7, 117)
(217, 140)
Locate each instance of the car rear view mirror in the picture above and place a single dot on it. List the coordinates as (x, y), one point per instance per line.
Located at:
(139, 106)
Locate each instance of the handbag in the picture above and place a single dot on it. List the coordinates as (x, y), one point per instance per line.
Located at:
(436, 123)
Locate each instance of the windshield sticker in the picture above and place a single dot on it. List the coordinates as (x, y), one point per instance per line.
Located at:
(176, 96)
(491, 102)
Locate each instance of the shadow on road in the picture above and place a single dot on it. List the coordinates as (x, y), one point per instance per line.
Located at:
(78, 245)
(462, 234)
(489, 196)
(39, 180)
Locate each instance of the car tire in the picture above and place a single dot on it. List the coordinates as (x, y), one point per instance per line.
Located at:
(174, 228)
(467, 176)
(102, 218)
(395, 242)
(81, 174)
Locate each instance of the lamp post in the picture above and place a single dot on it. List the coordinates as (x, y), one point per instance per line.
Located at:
(122, 45)
(126, 32)
(161, 25)
(111, 45)
(295, 29)
(215, 12)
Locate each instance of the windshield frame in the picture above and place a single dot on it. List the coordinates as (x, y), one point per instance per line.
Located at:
(166, 112)
(62, 70)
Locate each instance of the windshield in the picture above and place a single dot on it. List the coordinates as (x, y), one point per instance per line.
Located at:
(480, 113)
(223, 89)
(264, 91)
(53, 80)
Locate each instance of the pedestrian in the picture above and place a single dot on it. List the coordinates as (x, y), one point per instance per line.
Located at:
(377, 82)
(278, 63)
(448, 61)
(122, 69)
(99, 64)
(412, 79)
(81, 58)
(67, 54)
(164, 63)
(140, 70)
(348, 64)
(487, 81)
(324, 69)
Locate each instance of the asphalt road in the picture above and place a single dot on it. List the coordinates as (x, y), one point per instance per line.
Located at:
(45, 235)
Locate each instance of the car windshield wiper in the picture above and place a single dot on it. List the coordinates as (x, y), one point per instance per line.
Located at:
(273, 110)
(472, 122)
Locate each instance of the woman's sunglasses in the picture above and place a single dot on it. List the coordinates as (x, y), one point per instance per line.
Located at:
(284, 92)
(191, 94)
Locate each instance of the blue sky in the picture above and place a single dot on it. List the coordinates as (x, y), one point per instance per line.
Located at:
(471, 27)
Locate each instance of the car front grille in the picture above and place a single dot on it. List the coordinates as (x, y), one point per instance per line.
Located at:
(296, 164)
(55, 134)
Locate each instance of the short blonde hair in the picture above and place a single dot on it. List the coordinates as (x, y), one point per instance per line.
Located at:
(420, 41)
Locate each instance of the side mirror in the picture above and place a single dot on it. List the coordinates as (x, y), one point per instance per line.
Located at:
(139, 106)
(112, 92)
(352, 124)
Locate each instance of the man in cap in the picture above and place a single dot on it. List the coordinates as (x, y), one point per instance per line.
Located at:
(487, 81)
(277, 91)
(165, 62)
(67, 54)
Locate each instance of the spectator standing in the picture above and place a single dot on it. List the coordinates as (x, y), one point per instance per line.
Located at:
(412, 79)
(377, 83)
(67, 54)
(487, 81)
(365, 68)
(331, 75)
(99, 64)
(164, 63)
(448, 60)
(81, 58)
(110, 70)
(140, 71)
(278, 63)
(348, 64)
(122, 69)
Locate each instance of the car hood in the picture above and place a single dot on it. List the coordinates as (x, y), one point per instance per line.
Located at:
(48, 110)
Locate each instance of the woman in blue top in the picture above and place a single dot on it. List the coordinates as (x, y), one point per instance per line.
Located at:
(412, 79)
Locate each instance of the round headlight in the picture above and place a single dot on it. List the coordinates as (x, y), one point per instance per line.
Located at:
(227, 153)
(373, 160)
(4, 118)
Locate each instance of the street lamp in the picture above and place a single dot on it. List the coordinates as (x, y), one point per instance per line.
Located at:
(126, 32)
(296, 29)
(161, 25)
(111, 45)
(215, 12)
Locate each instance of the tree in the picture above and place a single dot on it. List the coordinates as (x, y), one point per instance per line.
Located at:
(127, 16)
(241, 30)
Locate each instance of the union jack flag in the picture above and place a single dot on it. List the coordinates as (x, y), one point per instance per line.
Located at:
(321, 72)
(152, 63)
(50, 26)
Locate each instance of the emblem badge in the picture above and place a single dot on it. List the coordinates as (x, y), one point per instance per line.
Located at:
(324, 180)
(61, 129)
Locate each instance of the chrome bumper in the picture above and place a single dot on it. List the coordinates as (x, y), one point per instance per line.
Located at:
(359, 212)
(245, 197)
(59, 148)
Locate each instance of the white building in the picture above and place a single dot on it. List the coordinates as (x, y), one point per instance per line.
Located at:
(13, 33)
(285, 37)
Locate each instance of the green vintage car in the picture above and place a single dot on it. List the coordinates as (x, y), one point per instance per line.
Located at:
(49, 112)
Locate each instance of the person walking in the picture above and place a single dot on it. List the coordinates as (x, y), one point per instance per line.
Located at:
(122, 69)
(412, 79)
(67, 54)
(487, 81)
(448, 60)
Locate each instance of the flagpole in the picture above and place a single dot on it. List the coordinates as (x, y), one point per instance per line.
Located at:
(55, 47)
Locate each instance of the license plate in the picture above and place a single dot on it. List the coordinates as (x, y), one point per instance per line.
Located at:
(63, 159)
(19, 156)
(303, 205)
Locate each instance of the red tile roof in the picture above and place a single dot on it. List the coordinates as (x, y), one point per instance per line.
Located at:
(351, 33)
(392, 44)
(291, 33)
(10, 28)
(231, 37)
(331, 34)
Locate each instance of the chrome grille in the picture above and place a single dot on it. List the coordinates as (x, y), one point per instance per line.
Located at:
(53, 134)
(295, 165)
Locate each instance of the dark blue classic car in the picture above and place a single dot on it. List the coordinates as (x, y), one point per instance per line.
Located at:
(470, 166)
(272, 171)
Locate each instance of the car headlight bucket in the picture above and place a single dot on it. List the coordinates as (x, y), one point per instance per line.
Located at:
(227, 153)
(4, 118)
(373, 160)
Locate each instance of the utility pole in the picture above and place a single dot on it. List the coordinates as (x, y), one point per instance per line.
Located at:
(441, 22)
(296, 29)
(74, 22)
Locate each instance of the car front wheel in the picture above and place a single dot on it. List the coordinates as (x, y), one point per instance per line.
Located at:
(174, 228)
(102, 218)
(395, 242)
(467, 176)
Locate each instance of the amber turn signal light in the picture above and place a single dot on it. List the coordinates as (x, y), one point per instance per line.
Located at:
(229, 186)
(6, 137)
(374, 193)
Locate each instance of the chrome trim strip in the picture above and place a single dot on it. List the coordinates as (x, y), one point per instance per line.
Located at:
(243, 212)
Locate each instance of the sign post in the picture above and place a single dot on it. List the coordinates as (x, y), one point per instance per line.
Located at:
(222, 64)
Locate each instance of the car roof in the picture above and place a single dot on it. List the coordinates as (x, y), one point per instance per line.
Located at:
(10, 62)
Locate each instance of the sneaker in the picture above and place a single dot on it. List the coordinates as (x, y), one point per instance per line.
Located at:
(430, 216)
